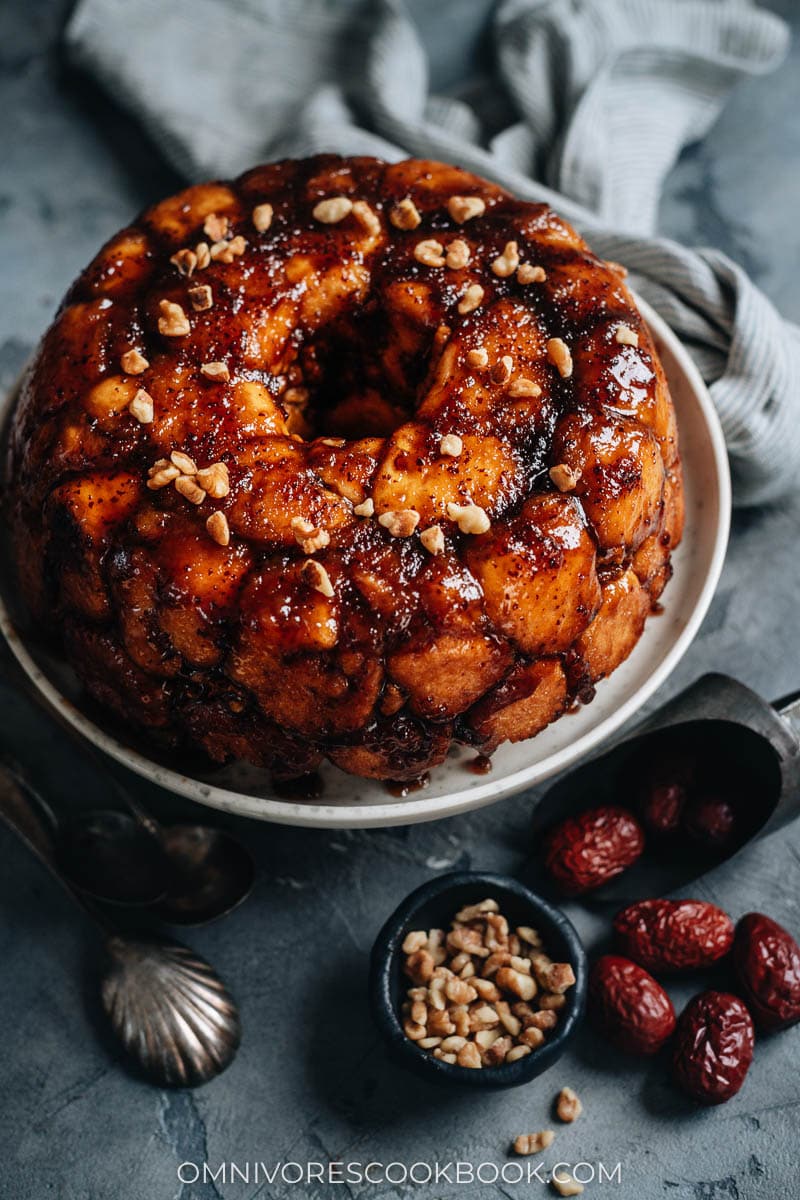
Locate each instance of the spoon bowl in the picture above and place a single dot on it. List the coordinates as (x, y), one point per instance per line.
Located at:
(113, 857)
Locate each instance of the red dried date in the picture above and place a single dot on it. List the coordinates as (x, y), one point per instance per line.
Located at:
(628, 1006)
(667, 782)
(587, 850)
(662, 807)
(766, 959)
(713, 1047)
(710, 820)
(673, 935)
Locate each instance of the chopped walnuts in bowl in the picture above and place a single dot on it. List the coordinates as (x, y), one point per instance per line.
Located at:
(477, 981)
(483, 993)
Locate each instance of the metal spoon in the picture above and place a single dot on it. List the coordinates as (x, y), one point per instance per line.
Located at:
(166, 1004)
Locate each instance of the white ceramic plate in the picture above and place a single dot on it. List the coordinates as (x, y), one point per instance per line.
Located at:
(353, 803)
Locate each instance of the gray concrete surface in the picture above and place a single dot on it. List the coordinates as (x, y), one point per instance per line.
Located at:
(311, 1081)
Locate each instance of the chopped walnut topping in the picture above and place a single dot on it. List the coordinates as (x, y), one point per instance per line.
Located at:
(333, 210)
(470, 518)
(501, 371)
(226, 252)
(317, 577)
(365, 509)
(515, 981)
(185, 261)
(216, 227)
(432, 539)
(564, 477)
(626, 336)
(458, 254)
(559, 354)
(133, 363)
(215, 480)
(526, 273)
(506, 263)
(518, 388)
(141, 407)
(189, 489)
(405, 214)
(478, 357)
(464, 208)
(472, 298)
(451, 445)
(565, 1185)
(217, 372)
(367, 218)
(401, 523)
(201, 297)
(308, 537)
(533, 1143)
(430, 253)
(185, 464)
(173, 321)
(203, 255)
(416, 940)
(262, 217)
(297, 396)
(568, 1106)
(161, 473)
(217, 526)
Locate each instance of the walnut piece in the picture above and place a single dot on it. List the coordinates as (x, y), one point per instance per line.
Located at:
(526, 273)
(133, 362)
(568, 1106)
(315, 575)
(464, 208)
(470, 518)
(451, 445)
(506, 263)
(458, 254)
(533, 1143)
(559, 354)
(564, 477)
(141, 407)
(217, 372)
(262, 217)
(430, 253)
(173, 321)
(217, 526)
(333, 210)
(405, 214)
(432, 539)
(472, 299)
(401, 523)
(201, 297)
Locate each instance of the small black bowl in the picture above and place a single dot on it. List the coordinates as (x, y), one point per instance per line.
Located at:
(433, 906)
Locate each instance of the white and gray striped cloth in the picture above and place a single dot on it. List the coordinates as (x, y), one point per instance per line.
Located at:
(603, 95)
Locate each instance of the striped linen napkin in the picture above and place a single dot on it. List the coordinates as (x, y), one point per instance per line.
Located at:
(598, 99)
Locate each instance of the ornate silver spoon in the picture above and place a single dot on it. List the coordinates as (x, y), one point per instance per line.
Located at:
(166, 1004)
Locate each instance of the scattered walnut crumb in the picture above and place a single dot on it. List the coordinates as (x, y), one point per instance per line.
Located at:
(533, 1143)
(203, 255)
(464, 208)
(506, 263)
(262, 217)
(626, 336)
(501, 371)
(432, 539)
(191, 491)
(451, 445)
(333, 210)
(568, 1106)
(201, 297)
(565, 1185)
(217, 372)
(185, 261)
(523, 387)
(216, 227)
(214, 480)
(185, 464)
(173, 321)
(309, 537)
(217, 526)
(141, 407)
(161, 473)
(430, 253)
(226, 252)
(479, 357)
(133, 362)
(559, 354)
(472, 298)
(367, 218)
(527, 273)
(365, 509)
(458, 254)
(317, 577)
(564, 477)
(405, 214)
(401, 523)
(470, 518)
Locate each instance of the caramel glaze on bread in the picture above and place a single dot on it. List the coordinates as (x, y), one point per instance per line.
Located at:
(345, 460)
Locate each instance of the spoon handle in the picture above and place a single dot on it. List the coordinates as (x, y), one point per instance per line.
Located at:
(23, 812)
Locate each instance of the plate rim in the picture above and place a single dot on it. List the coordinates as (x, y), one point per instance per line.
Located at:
(309, 814)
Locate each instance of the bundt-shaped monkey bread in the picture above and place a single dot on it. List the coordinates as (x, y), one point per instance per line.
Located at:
(345, 460)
